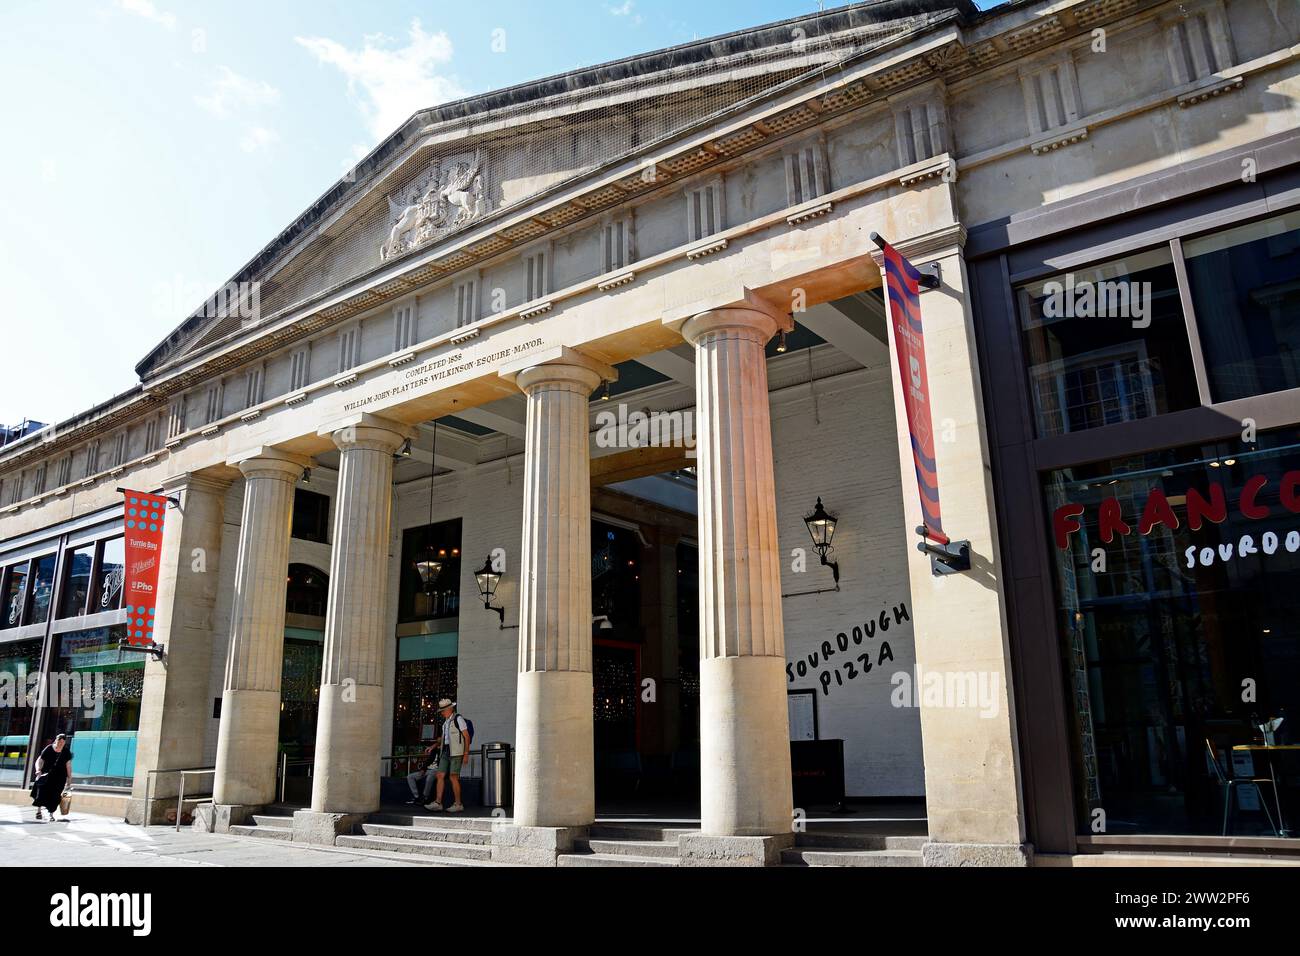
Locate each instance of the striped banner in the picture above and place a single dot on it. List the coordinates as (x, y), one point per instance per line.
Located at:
(902, 287)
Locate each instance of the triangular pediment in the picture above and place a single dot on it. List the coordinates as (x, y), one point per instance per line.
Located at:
(453, 167)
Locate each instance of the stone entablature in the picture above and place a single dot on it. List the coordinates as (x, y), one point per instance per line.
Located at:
(862, 95)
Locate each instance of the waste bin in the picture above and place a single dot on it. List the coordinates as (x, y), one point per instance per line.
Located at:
(498, 775)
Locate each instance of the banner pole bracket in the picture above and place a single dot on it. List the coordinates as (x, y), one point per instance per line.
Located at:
(173, 500)
(156, 651)
(950, 558)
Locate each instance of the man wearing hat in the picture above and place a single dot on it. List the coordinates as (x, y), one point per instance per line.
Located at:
(456, 737)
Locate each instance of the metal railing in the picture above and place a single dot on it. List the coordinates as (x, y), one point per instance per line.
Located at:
(410, 763)
(180, 798)
(285, 764)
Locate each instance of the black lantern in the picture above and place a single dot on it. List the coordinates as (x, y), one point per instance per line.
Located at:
(821, 526)
(488, 578)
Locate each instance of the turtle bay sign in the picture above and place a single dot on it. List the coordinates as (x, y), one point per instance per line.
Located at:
(450, 194)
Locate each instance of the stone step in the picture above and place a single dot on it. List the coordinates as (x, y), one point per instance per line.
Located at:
(637, 831)
(613, 859)
(434, 848)
(436, 821)
(272, 822)
(860, 841)
(433, 834)
(263, 833)
(805, 856)
(628, 847)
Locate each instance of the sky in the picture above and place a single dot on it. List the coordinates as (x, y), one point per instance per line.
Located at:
(153, 147)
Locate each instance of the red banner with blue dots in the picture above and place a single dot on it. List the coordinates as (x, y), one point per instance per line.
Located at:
(143, 523)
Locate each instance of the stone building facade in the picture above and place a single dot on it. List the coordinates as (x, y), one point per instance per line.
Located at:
(421, 361)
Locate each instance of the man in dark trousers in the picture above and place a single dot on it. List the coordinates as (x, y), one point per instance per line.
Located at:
(426, 773)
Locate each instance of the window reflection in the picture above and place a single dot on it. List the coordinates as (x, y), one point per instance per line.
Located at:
(42, 588)
(108, 586)
(15, 595)
(1245, 285)
(76, 588)
(1106, 344)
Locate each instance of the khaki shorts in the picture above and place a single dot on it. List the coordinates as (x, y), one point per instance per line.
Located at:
(449, 764)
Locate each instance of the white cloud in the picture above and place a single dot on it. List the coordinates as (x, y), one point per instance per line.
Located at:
(624, 9)
(146, 10)
(391, 83)
(230, 92)
(257, 137)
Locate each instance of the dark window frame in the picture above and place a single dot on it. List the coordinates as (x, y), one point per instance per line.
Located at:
(1208, 197)
(322, 517)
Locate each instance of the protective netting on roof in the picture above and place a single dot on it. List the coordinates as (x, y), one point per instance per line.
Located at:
(530, 146)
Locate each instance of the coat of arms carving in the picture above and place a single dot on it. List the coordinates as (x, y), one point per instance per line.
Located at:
(446, 197)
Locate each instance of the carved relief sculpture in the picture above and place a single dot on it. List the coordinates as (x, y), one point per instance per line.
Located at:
(448, 196)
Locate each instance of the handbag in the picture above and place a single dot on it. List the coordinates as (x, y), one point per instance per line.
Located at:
(65, 802)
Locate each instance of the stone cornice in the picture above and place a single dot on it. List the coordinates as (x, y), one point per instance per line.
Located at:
(928, 245)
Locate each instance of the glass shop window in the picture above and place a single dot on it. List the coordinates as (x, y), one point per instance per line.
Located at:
(15, 595)
(1106, 344)
(105, 715)
(42, 588)
(107, 593)
(1178, 601)
(16, 657)
(616, 563)
(1245, 285)
(76, 586)
(426, 671)
(430, 587)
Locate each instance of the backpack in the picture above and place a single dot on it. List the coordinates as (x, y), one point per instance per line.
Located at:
(469, 724)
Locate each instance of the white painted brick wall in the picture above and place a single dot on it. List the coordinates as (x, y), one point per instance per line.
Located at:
(842, 448)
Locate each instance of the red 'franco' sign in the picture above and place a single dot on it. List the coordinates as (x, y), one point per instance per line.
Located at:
(144, 525)
(1211, 506)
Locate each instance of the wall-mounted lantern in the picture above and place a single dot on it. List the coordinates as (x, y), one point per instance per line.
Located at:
(821, 526)
(488, 579)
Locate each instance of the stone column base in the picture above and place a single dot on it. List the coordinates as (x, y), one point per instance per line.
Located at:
(162, 811)
(220, 817)
(315, 826)
(697, 849)
(978, 854)
(532, 846)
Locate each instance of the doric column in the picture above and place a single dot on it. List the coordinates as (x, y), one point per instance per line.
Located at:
(555, 783)
(348, 730)
(174, 708)
(250, 703)
(554, 761)
(744, 732)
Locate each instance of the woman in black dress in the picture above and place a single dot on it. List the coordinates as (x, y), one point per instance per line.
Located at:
(53, 769)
